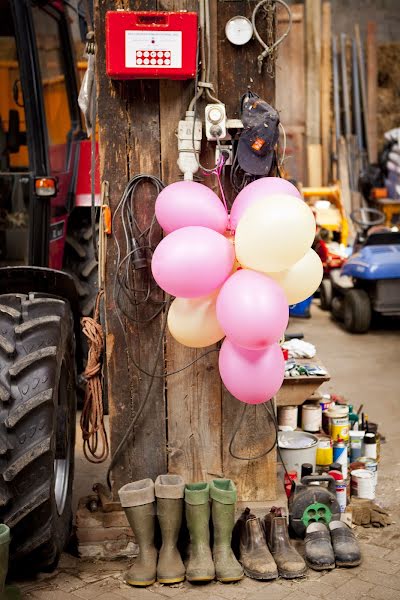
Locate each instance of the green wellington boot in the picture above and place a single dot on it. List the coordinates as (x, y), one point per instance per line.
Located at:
(6, 593)
(138, 502)
(223, 496)
(200, 567)
(170, 490)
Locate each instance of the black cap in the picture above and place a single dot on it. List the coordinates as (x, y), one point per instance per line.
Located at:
(335, 467)
(259, 136)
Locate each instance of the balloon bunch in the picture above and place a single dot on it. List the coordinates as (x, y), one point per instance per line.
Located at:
(234, 276)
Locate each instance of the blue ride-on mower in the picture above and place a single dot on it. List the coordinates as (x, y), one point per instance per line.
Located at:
(369, 282)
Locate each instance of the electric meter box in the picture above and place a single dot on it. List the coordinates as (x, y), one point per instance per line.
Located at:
(151, 45)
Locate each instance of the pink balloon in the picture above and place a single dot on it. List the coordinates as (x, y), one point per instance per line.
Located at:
(186, 203)
(256, 190)
(252, 376)
(192, 262)
(252, 309)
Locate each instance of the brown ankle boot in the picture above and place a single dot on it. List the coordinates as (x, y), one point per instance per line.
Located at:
(255, 556)
(289, 562)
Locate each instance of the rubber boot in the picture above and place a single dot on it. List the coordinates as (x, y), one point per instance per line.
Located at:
(223, 496)
(289, 562)
(200, 567)
(170, 490)
(6, 592)
(137, 500)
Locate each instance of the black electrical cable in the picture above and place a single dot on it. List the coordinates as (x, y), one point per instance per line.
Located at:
(246, 407)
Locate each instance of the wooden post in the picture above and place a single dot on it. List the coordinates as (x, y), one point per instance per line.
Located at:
(185, 428)
(291, 90)
(372, 91)
(326, 86)
(313, 99)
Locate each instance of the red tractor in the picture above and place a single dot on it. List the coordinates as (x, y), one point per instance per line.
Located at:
(47, 273)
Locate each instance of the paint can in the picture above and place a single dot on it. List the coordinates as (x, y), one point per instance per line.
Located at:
(311, 418)
(287, 417)
(324, 452)
(326, 404)
(370, 465)
(340, 455)
(339, 423)
(370, 445)
(362, 484)
(341, 494)
(356, 442)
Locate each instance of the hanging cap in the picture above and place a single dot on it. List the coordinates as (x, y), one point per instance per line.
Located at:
(259, 136)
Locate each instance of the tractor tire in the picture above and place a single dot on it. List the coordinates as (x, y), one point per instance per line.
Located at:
(80, 262)
(37, 427)
(357, 311)
(325, 294)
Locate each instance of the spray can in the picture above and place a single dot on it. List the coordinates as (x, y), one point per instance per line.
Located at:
(341, 494)
(340, 455)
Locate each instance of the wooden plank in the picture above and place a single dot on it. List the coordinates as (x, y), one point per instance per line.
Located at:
(194, 395)
(372, 91)
(326, 87)
(313, 83)
(129, 144)
(256, 479)
(290, 91)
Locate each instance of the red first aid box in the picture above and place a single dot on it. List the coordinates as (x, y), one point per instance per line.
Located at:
(151, 45)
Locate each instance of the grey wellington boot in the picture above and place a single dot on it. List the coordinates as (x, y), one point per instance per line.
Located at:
(6, 593)
(200, 567)
(138, 502)
(223, 496)
(170, 490)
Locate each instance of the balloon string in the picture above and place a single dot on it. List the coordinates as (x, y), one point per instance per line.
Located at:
(217, 172)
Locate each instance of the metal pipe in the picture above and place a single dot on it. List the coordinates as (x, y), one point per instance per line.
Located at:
(356, 98)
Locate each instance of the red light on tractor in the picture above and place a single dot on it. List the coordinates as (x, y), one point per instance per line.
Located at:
(45, 186)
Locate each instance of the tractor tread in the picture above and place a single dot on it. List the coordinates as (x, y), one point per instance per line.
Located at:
(6, 346)
(29, 504)
(18, 413)
(26, 458)
(37, 322)
(28, 360)
(39, 331)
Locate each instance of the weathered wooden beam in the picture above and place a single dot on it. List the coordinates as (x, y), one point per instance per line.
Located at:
(372, 92)
(313, 83)
(129, 134)
(326, 87)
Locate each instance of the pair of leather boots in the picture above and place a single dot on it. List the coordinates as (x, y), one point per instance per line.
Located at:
(330, 546)
(143, 500)
(264, 546)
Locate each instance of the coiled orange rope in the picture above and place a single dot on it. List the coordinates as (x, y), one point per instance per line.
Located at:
(95, 440)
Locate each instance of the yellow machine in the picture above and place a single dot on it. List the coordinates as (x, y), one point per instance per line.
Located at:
(330, 215)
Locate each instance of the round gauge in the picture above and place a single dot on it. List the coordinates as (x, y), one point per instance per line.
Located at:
(239, 30)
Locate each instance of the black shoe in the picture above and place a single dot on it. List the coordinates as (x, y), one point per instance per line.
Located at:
(318, 548)
(345, 546)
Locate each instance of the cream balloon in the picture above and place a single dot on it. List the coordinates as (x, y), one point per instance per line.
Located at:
(302, 279)
(274, 233)
(193, 321)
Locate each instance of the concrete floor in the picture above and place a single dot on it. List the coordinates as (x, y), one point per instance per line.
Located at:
(365, 369)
